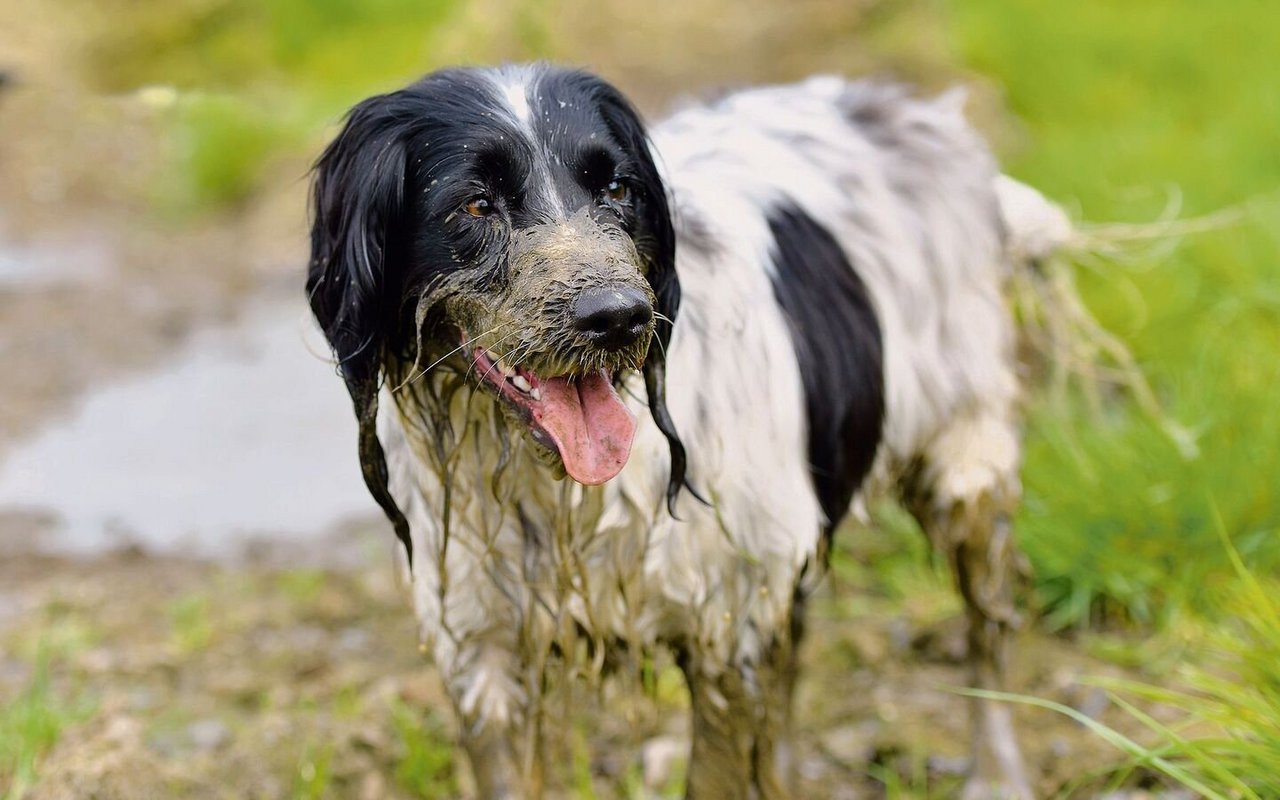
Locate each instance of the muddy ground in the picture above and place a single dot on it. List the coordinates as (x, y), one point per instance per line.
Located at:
(184, 679)
(155, 677)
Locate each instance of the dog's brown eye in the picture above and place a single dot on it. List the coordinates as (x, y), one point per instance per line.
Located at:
(617, 190)
(479, 207)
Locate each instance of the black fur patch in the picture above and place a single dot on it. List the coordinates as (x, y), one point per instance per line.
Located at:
(838, 348)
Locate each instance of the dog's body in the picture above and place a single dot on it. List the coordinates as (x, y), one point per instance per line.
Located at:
(841, 251)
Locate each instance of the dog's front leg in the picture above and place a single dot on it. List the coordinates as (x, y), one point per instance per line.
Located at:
(489, 702)
(738, 717)
(494, 763)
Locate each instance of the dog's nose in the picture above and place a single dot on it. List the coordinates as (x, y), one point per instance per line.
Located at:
(612, 317)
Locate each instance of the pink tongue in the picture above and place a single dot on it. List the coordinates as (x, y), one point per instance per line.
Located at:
(589, 425)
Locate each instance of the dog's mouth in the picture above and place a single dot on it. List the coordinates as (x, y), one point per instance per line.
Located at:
(580, 419)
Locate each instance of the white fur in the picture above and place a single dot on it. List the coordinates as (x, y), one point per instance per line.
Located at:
(512, 85)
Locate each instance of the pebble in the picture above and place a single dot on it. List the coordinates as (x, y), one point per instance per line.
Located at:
(207, 735)
(1094, 702)
(354, 640)
(659, 757)
(851, 744)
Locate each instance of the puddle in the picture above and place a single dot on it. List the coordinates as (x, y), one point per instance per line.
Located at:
(246, 437)
(43, 264)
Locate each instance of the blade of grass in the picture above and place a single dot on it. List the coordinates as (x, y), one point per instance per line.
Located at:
(1112, 736)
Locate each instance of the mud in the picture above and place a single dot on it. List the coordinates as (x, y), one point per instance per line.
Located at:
(186, 679)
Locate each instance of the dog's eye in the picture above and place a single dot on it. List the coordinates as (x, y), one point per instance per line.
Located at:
(479, 206)
(616, 190)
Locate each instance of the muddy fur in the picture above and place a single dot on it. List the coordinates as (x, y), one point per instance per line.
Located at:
(837, 317)
(522, 315)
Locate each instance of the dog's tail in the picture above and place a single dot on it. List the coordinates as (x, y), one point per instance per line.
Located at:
(1060, 336)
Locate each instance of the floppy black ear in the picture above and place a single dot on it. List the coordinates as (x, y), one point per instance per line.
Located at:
(655, 240)
(358, 198)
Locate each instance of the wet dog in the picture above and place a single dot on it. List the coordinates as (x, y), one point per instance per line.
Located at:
(616, 390)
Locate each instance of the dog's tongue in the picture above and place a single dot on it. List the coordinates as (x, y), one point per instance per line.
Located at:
(589, 424)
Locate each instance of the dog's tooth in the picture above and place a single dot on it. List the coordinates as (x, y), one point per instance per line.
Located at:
(521, 383)
(535, 393)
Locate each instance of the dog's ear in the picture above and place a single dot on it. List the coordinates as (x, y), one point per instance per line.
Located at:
(358, 199)
(656, 241)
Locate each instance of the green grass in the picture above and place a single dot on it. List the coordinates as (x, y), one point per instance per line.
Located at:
(33, 719)
(1121, 104)
(313, 779)
(1224, 740)
(29, 725)
(256, 80)
(1229, 734)
(191, 629)
(427, 768)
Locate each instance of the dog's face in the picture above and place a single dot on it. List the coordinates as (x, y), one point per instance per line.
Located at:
(508, 225)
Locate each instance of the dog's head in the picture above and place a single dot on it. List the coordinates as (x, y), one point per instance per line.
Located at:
(509, 226)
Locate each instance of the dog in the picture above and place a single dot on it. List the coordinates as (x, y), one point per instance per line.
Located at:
(616, 387)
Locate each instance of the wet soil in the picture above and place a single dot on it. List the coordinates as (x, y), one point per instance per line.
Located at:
(186, 679)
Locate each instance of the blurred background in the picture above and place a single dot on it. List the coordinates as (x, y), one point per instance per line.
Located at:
(196, 595)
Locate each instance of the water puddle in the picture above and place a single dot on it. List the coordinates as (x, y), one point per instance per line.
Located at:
(247, 436)
(43, 264)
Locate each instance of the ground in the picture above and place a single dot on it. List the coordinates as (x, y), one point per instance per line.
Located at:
(171, 678)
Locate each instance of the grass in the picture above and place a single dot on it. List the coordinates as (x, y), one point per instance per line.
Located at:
(1117, 103)
(313, 780)
(1230, 733)
(191, 628)
(29, 725)
(1224, 741)
(254, 80)
(427, 768)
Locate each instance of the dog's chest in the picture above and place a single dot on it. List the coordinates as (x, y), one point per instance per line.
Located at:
(500, 542)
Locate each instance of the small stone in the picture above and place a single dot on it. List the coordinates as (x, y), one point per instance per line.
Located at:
(870, 646)
(948, 766)
(141, 698)
(659, 757)
(122, 729)
(373, 786)
(851, 745)
(1094, 702)
(353, 640)
(207, 735)
(98, 661)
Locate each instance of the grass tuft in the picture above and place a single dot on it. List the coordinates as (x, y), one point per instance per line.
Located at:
(1225, 742)
(427, 769)
(29, 726)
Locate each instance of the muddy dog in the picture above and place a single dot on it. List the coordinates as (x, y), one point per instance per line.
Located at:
(618, 387)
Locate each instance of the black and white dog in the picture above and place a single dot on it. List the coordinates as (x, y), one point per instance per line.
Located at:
(725, 336)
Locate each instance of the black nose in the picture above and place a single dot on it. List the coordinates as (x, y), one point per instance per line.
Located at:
(612, 317)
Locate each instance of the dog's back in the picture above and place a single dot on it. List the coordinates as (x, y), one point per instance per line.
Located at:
(907, 189)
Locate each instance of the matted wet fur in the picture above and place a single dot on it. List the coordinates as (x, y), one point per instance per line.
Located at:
(616, 393)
